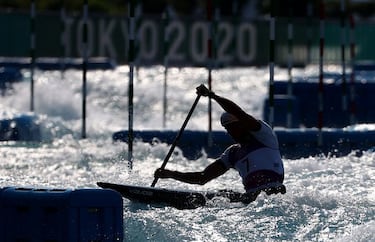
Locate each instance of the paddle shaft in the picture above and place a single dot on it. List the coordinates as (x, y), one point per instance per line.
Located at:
(177, 138)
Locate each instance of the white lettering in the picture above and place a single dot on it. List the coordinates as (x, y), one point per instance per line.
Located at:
(246, 51)
(174, 53)
(105, 41)
(187, 42)
(198, 46)
(223, 48)
(67, 35)
(90, 38)
(149, 35)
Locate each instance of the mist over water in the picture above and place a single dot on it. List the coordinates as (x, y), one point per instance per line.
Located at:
(327, 199)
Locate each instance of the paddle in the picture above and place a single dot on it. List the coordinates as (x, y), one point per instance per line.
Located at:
(177, 138)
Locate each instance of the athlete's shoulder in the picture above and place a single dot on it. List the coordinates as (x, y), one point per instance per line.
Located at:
(227, 157)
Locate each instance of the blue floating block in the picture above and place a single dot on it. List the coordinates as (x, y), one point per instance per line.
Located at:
(30, 214)
(20, 128)
(192, 142)
(283, 104)
(307, 103)
(2, 215)
(94, 63)
(50, 63)
(294, 142)
(10, 74)
(364, 66)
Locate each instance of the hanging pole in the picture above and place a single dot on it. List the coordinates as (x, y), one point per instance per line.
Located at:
(84, 67)
(62, 38)
(216, 20)
(166, 55)
(344, 100)
(131, 57)
(209, 68)
(32, 53)
(309, 30)
(352, 74)
(320, 87)
(290, 66)
(138, 13)
(271, 65)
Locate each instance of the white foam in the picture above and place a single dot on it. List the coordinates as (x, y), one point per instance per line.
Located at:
(327, 198)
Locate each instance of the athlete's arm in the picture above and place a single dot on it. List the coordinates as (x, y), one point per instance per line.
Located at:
(212, 171)
(246, 120)
(229, 106)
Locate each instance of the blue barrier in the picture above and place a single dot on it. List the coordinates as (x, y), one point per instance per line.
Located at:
(29, 214)
(282, 104)
(192, 143)
(294, 143)
(368, 65)
(9, 75)
(20, 128)
(94, 63)
(306, 93)
(2, 214)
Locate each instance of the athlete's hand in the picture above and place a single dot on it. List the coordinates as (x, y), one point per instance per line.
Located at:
(203, 91)
(163, 173)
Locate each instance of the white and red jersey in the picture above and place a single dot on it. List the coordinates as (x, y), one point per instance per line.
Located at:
(258, 155)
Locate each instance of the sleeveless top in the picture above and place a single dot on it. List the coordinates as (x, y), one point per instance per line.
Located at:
(259, 153)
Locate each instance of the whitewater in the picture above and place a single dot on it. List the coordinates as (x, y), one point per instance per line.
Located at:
(328, 198)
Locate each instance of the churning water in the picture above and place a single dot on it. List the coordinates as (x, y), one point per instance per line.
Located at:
(327, 199)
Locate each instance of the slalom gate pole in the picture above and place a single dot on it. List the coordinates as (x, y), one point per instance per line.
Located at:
(344, 100)
(177, 138)
(309, 10)
(131, 57)
(32, 53)
(321, 74)
(271, 64)
(62, 38)
(84, 67)
(352, 74)
(138, 12)
(214, 33)
(209, 68)
(165, 19)
(290, 66)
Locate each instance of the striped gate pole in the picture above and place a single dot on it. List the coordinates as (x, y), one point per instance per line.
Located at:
(309, 10)
(290, 66)
(165, 19)
(63, 37)
(321, 74)
(271, 64)
(211, 55)
(344, 100)
(209, 68)
(352, 74)
(131, 58)
(32, 53)
(84, 67)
